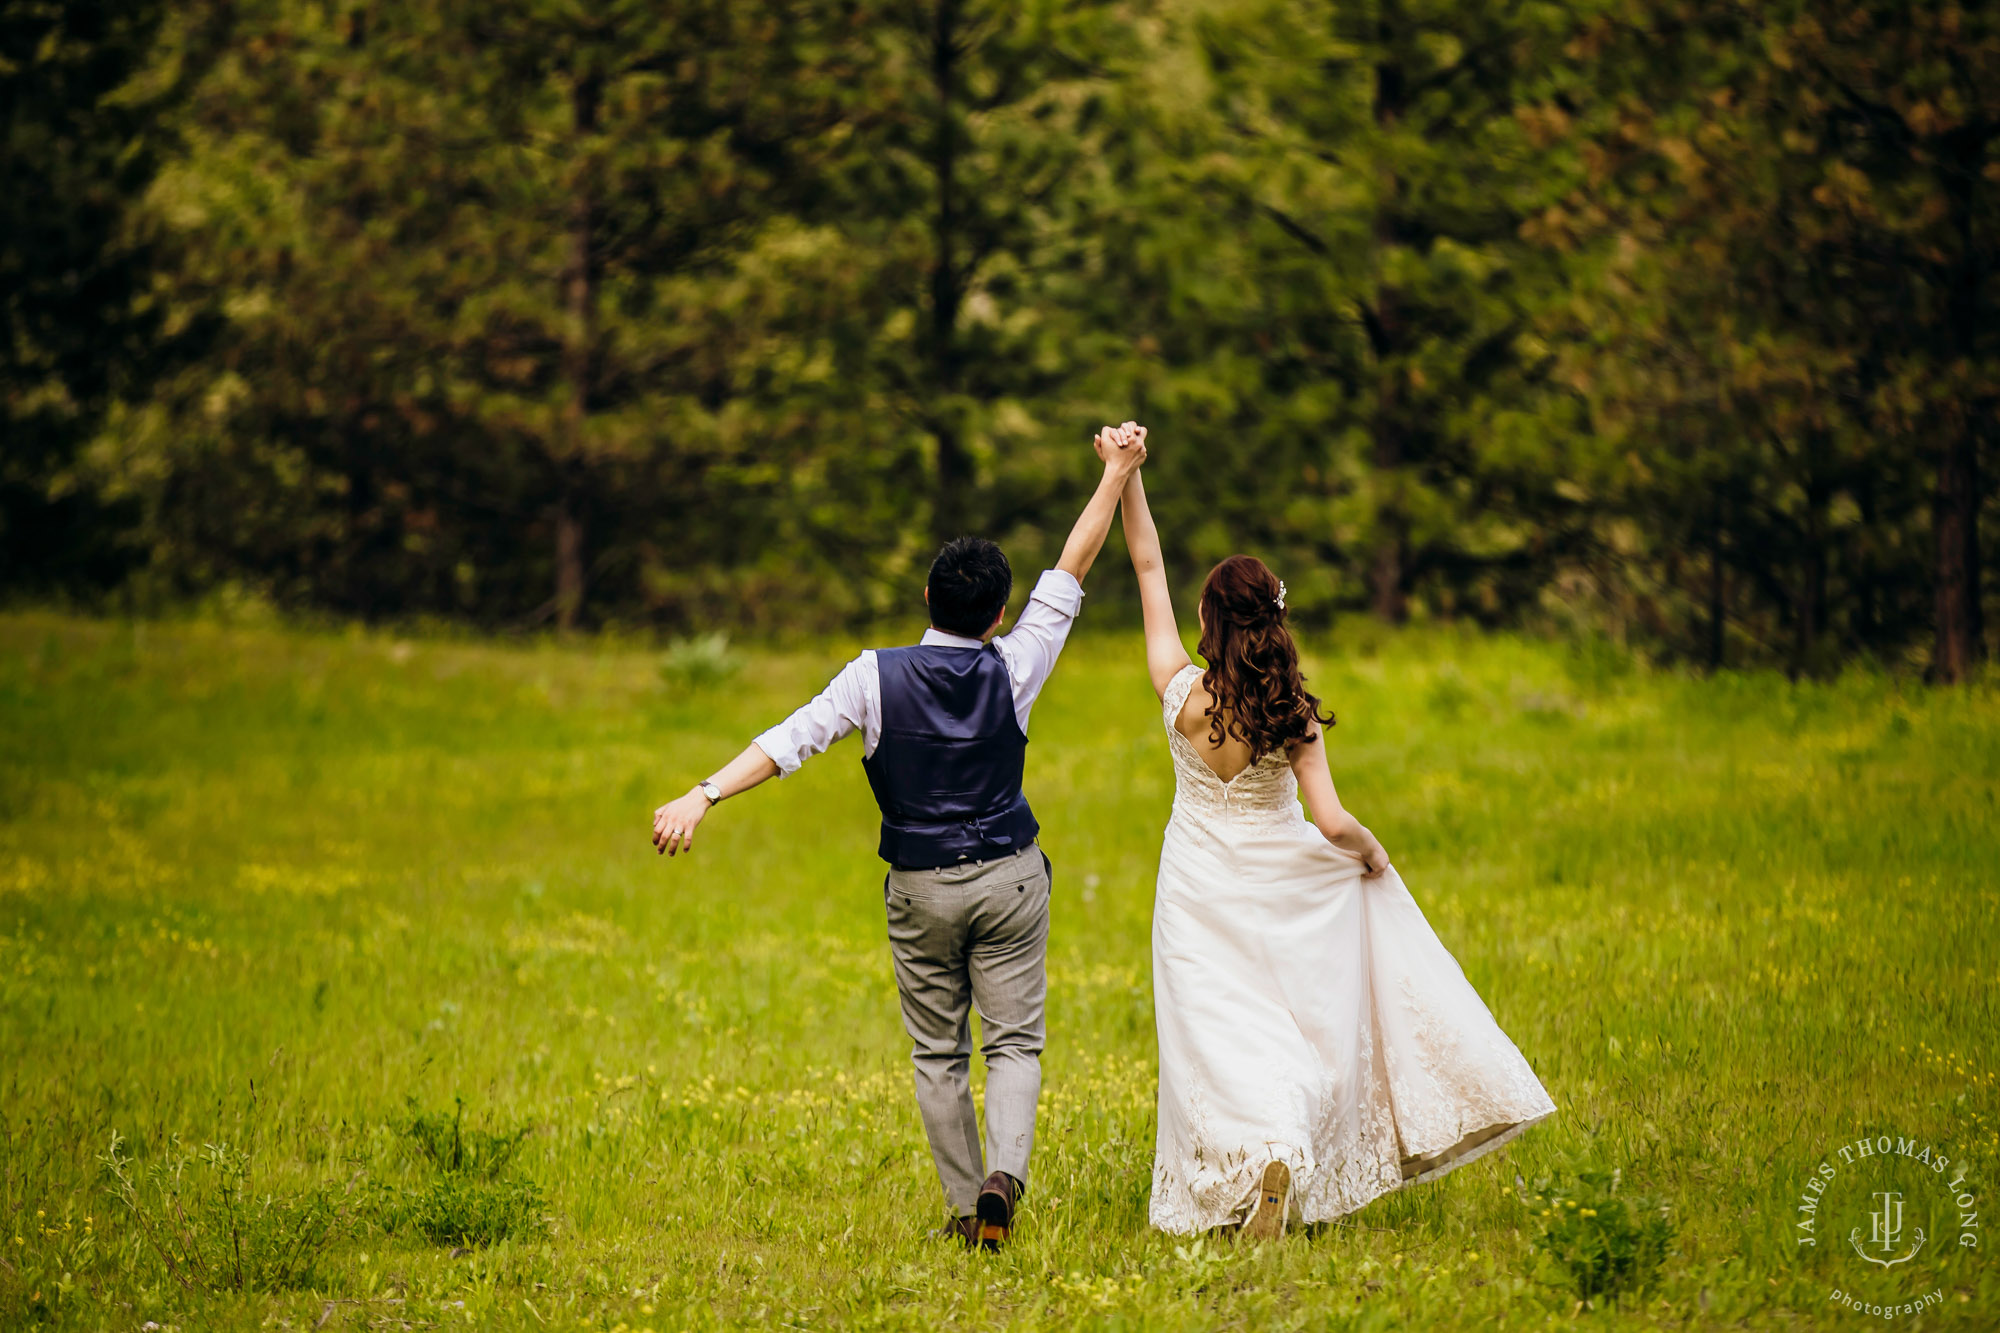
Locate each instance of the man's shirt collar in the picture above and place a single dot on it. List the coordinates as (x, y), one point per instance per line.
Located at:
(937, 638)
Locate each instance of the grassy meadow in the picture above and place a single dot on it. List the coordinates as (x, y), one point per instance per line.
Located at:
(340, 988)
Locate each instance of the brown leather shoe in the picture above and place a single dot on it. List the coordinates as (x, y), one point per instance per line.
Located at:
(995, 1215)
(964, 1230)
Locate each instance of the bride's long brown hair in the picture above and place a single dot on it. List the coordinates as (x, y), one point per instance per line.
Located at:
(1253, 665)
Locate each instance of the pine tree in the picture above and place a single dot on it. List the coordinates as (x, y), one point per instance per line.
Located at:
(84, 105)
(1800, 201)
(465, 246)
(970, 205)
(1372, 166)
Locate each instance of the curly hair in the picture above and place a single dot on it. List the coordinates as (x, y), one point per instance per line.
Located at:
(1253, 665)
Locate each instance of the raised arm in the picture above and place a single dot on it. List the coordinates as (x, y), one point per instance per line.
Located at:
(1165, 657)
(1121, 460)
(1323, 804)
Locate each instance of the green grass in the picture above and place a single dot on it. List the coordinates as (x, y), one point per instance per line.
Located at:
(296, 894)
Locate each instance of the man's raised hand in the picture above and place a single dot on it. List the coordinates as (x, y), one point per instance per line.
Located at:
(1123, 448)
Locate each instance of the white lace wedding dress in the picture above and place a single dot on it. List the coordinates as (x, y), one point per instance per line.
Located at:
(1306, 1014)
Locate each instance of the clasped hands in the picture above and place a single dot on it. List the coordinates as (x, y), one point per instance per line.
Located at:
(1123, 448)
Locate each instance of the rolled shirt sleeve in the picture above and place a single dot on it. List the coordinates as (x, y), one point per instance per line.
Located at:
(1058, 590)
(1038, 637)
(846, 705)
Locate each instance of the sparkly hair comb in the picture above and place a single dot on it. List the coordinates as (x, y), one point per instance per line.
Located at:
(1281, 594)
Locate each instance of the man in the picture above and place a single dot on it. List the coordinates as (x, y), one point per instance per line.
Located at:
(944, 733)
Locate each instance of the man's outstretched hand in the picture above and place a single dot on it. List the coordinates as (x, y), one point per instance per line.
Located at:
(674, 823)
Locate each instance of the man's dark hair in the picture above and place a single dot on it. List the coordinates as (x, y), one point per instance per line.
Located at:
(970, 581)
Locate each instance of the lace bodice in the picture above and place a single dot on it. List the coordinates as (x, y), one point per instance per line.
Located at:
(1264, 793)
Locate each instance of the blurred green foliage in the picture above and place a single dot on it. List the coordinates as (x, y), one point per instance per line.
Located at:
(1667, 320)
(698, 662)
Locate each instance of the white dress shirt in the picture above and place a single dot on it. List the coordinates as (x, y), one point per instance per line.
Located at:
(854, 700)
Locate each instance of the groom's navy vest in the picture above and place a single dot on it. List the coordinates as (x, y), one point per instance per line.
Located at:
(947, 769)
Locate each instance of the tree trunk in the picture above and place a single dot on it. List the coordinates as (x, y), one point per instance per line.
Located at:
(1718, 589)
(1867, 594)
(1385, 581)
(1954, 518)
(1808, 606)
(1975, 604)
(954, 465)
(1388, 571)
(1955, 505)
(1809, 601)
(569, 564)
(579, 307)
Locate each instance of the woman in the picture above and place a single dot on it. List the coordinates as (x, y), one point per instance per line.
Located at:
(1318, 1046)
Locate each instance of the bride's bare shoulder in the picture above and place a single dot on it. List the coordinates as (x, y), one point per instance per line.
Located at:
(1192, 721)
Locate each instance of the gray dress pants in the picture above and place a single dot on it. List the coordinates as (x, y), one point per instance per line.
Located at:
(974, 933)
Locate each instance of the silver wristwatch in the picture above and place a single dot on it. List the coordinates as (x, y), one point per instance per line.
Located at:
(708, 788)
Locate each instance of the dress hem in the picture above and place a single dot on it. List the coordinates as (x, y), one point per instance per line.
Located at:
(1500, 1140)
(1473, 1154)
